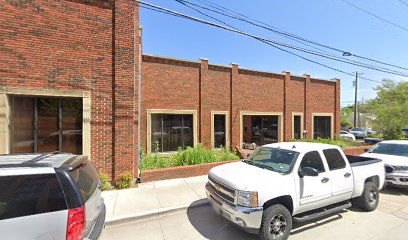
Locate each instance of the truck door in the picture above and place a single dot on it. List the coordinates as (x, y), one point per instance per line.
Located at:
(341, 175)
(314, 192)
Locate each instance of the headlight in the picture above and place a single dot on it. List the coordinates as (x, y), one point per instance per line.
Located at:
(248, 199)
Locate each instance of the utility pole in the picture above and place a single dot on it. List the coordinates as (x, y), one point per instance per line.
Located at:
(355, 100)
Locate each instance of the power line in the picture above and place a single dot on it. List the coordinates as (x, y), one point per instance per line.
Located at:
(269, 42)
(404, 3)
(186, 3)
(376, 16)
(173, 13)
(294, 37)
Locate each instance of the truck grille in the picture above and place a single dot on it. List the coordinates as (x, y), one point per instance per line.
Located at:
(400, 168)
(222, 190)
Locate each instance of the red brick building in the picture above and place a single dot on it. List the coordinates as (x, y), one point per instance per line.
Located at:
(70, 73)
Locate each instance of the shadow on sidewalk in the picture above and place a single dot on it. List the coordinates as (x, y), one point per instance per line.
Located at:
(214, 227)
(395, 190)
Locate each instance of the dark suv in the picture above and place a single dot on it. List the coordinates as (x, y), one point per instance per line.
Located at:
(50, 196)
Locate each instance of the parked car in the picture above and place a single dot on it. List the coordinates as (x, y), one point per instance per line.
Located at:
(284, 182)
(395, 156)
(359, 132)
(50, 196)
(405, 130)
(347, 135)
(370, 131)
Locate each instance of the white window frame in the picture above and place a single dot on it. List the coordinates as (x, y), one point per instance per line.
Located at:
(169, 111)
(331, 115)
(301, 124)
(6, 114)
(227, 130)
(250, 113)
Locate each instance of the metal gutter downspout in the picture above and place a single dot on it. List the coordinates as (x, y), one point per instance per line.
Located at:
(139, 107)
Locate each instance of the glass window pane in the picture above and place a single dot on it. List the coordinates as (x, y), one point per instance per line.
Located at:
(334, 159)
(23, 125)
(322, 127)
(270, 129)
(87, 179)
(188, 131)
(219, 131)
(30, 194)
(313, 160)
(171, 131)
(48, 124)
(172, 124)
(297, 127)
(264, 129)
(72, 125)
(157, 133)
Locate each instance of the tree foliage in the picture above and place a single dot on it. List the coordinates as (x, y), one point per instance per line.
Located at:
(346, 112)
(390, 108)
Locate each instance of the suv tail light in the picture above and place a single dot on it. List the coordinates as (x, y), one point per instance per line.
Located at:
(76, 223)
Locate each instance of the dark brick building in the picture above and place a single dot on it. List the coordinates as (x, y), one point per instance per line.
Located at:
(69, 81)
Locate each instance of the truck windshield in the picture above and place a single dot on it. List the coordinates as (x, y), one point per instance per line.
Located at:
(274, 159)
(390, 149)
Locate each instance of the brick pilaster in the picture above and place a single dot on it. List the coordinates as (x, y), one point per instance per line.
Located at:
(125, 55)
(307, 111)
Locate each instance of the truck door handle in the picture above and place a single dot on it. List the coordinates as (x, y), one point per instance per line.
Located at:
(347, 175)
(325, 180)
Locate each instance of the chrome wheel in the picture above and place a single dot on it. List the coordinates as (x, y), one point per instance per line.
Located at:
(277, 226)
(372, 196)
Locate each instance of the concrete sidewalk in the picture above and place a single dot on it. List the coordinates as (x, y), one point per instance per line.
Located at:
(154, 198)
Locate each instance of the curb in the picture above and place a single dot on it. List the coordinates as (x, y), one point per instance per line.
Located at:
(154, 213)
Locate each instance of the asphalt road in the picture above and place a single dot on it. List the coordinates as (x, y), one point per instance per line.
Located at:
(389, 221)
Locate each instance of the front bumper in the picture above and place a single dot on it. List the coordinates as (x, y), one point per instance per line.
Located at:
(397, 178)
(248, 219)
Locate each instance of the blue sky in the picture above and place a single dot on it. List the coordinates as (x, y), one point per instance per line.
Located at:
(331, 22)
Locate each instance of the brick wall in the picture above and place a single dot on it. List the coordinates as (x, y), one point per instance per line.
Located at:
(94, 46)
(78, 45)
(187, 85)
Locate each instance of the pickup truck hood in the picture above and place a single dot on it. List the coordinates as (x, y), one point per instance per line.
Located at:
(240, 175)
(389, 159)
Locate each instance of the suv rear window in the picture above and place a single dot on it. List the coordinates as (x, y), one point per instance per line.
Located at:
(30, 194)
(87, 180)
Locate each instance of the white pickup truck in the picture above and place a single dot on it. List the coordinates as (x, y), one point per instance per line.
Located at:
(293, 181)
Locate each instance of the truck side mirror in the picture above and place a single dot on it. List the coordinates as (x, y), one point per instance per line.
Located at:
(366, 149)
(309, 172)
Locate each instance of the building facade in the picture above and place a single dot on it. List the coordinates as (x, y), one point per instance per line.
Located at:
(188, 102)
(70, 73)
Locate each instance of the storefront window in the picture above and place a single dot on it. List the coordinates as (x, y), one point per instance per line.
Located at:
(46, 125)
(219, 131)
(171, 132)
(297, 127)
(322, 127)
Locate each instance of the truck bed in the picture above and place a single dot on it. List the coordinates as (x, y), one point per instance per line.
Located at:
(362, 168)
(356, 161)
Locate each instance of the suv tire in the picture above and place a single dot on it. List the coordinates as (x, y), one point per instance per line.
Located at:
(276, 223)
(369, 200)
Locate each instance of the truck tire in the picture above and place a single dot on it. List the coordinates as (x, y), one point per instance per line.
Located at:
(276, 223)
(369, 200)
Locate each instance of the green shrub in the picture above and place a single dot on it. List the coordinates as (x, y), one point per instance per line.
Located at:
(125, 180)
(343, 143)
(193, 156)
(226, 155)
(155, 160)
(374, 136)
(105, 181)
(189, 156)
